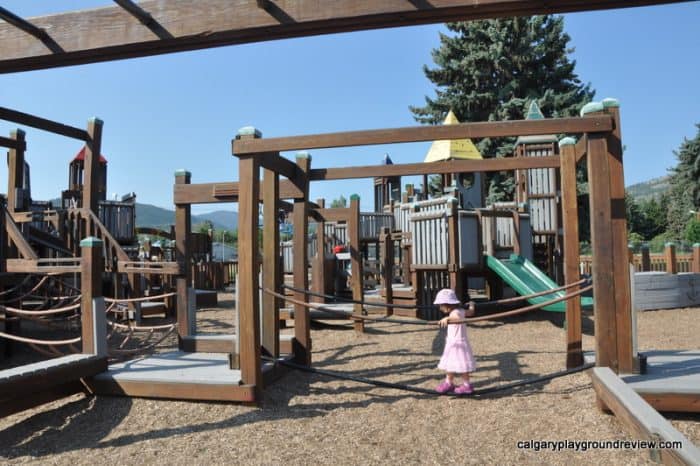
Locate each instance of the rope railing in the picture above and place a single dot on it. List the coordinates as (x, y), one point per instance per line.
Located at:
(46, 312)
(141, 299)
(36, 287)
(16, 287)
(513, 312)
(39, 342)
(429, 307)
(139, 328)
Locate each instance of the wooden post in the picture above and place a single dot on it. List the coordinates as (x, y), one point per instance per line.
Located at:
(574, 350)
(91, 170)
(453, 266)
(612, 291)
(670, 257)
(356, 259)
(646, 258)
(183, 229)
(249, 265)
(15, 174)
(387, 250)
(300, 268)
(271, 263)
(319, 266)
(93, 319)
(696, 258)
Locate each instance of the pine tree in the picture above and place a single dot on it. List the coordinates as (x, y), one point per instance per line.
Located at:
(685, 186)
(491, 69)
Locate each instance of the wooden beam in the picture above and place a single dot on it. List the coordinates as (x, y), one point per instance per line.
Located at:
(183, 228)
(271, 263)
(144, 18)
(425, 133)
(91, 172)
(215, 193)
(300, 268)
(12, 143)
(580, 148)
(17, 239)
(30, 29)
(248, 304)
(641, 420)
(356, 280)
(451, 166)
(15, 173)
(42, 123)
(110, 33)
(569, 209)
(285, 167)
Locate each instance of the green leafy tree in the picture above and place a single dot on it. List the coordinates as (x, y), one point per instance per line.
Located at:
(491, 69)
(685, 186)
(692, 231)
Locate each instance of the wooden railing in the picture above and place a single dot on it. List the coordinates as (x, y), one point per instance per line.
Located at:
(214, 275)
(669, 261)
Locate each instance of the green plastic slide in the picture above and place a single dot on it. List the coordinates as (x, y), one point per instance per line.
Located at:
(525, 278)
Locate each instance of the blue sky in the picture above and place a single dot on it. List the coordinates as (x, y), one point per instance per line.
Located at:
(176, 111)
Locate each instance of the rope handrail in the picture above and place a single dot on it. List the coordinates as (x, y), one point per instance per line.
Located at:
(137, 328)
(141, 299)
(36, 287)
(40, 342)
(16, 287)
(408, 306)
(522, 310)
(46, 312)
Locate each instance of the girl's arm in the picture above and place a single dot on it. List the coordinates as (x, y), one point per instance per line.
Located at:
(470, 310)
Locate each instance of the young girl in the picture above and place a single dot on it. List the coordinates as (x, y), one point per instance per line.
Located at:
(457, 358)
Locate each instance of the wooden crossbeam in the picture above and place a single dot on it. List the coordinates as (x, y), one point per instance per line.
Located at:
(43, 124)
(12, 143)
(215, 193)
(29, 28)
(144, 18)
(491, 129)
(451, 166)
(285, 167)
(109, 33)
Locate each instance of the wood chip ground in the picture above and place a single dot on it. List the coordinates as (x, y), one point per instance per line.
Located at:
(310, 419)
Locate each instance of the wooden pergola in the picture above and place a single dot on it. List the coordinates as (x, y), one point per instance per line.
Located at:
(152, 27)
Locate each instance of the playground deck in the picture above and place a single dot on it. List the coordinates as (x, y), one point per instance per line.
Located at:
(176, 374)
(672, 380)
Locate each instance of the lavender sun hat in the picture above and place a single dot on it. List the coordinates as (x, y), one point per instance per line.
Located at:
(446, 296)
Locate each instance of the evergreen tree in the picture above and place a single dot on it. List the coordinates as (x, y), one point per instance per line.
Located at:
(491, 69)
(685, 186)
(340, 202)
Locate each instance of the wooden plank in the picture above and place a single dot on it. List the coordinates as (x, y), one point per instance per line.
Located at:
(31, 266)
(174, 390)
(409, 169)
(41, 376)
(387, 251)
(24, 401)
(15, 172)
(569, 208)
(271, 263)
(282, 166)
(602, 252)
(580, 148)
(319, 264)
(425, 133)
(622, 287)
(673, 402)
(249, 266)
(25, 250)
(215, 193)
(641, 420)
(37, 122)
(91, 270)
(12, 143)
(110, 33)
(208, 344)
(356, 279)
(302, 322)
(183, 228)
(91, 172)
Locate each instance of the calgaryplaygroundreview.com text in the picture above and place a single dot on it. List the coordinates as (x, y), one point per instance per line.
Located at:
(585, 445)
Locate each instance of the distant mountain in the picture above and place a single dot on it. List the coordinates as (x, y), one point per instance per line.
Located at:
(648, 189)
(148, 215)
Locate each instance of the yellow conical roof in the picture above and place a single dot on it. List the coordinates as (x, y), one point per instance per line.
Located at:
(452, 148)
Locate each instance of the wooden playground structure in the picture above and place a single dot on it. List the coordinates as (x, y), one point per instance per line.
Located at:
(89, 235)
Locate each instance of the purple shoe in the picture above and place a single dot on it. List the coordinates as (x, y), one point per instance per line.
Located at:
(444, 387)
(464, 389)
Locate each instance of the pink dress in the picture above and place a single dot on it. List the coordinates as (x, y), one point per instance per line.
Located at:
(457, 356)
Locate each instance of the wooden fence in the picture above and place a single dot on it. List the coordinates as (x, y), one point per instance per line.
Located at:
(214, 275)
(668, 261)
